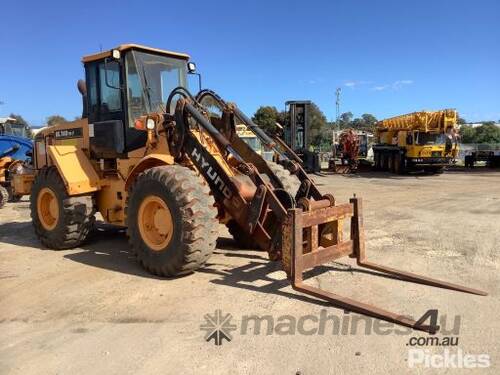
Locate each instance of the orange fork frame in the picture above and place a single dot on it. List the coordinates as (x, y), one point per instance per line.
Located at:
(301, 256)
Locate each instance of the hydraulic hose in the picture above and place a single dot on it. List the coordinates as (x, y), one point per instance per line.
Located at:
(261, 134)
(212, 130)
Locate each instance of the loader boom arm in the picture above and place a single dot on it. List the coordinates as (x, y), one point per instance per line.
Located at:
(302, 233)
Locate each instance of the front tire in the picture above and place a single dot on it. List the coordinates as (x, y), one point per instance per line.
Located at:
(171, 218)
(60, 221)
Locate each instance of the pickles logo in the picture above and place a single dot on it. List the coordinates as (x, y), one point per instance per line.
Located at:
(218, 327)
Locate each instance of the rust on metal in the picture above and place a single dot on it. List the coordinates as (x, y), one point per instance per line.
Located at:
(304, 247)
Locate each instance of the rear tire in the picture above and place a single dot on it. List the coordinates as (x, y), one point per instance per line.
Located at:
(4, 196)
(192, 231)
(390, 162)
(60, 221)
(290, 183)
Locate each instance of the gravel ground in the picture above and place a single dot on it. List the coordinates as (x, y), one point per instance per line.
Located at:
(94, 310)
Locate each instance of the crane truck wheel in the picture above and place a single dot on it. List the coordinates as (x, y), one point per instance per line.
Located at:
(171, 218)
(4, 196)
(60, 221)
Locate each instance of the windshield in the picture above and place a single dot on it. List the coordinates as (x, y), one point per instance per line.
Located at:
(150, 80)
(253, 142)
(15, 129)
(423, 139)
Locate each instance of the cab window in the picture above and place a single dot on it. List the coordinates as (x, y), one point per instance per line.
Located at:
(110, 96)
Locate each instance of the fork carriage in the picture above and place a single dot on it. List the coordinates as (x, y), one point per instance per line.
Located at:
(312, 236)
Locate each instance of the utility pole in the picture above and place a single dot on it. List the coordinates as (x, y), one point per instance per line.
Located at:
(337, 107)
(337, 124)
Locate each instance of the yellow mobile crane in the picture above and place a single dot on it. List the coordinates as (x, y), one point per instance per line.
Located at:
(419, 140)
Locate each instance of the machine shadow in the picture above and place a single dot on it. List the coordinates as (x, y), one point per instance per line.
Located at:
(107, 248)
(261, 276)
(389, 175)
(18, 233)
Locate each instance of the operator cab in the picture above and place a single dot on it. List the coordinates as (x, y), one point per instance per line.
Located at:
(123, 84)
(9, 126)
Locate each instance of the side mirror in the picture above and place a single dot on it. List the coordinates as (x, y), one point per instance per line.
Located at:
(191, 67)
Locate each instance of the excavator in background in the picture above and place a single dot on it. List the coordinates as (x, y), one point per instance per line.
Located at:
(15, 156)
(419, 140)
(151, 156)
(350, 149)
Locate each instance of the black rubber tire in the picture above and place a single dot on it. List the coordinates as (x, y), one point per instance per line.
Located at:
(194, 219)
(391, 157)
(290, 182)
(399, 164)
(76, 213)
(4, 196)
(376, 160)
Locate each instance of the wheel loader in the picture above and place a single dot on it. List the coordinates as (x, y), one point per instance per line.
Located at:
(169, 165)
(15, 158)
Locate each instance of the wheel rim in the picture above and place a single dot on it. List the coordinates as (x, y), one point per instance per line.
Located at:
(155, 223)
(48, 208)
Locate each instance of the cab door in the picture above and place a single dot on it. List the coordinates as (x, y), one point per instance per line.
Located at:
(106, 110)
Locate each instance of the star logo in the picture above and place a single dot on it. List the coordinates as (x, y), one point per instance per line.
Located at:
(218, 327)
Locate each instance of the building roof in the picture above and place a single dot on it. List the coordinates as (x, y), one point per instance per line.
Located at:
(125, 47)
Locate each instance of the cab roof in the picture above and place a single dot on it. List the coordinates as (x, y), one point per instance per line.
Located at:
(126, 47)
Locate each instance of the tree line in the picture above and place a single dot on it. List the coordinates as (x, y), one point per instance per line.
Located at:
(488, 132)
(321, 129)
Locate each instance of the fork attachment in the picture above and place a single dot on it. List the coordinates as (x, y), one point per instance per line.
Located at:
(312, 236)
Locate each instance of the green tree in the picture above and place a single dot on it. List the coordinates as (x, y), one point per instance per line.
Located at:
(488, 133)
(317, 122)
(468, 134)
(55, 119)
(461, 121)
(267, 117)
(345, 120)
(369, 122)
(19, 119)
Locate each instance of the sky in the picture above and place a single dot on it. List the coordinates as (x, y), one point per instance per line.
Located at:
(388, 57)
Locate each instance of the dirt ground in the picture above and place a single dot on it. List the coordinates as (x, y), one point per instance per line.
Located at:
(94, 310)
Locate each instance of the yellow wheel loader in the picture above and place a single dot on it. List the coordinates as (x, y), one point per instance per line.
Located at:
(149, 155)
